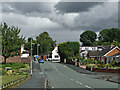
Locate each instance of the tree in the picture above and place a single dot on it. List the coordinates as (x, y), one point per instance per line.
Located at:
(11, 41)
(87, 38)
(68, 49)
(46, 43)
(109, 35)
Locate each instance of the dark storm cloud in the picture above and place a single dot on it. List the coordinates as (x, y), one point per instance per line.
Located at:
(27, 7)
(67, 7)
(36, 17)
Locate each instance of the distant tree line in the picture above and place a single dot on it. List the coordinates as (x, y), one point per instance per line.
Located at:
(105, 37)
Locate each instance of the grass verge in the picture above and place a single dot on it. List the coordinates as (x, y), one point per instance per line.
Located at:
(9, 78)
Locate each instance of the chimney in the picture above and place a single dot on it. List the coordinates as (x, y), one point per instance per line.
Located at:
(112, 45)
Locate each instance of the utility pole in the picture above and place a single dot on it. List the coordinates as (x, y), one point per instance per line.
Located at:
(31, 58)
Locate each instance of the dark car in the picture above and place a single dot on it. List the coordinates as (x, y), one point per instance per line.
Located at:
(40, 60)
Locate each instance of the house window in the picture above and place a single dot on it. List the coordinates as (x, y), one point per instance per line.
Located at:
(56, 56)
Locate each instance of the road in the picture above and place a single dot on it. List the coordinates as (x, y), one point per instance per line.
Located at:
(61, 76)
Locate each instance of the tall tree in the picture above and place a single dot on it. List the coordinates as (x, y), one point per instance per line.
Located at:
(11, 41)
(87, 38)
(45, 41)
(68, 49)
(109, 35)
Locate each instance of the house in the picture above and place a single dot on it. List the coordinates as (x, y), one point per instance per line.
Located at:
(105, 53)
(24, 53)
(54, 56)
(84, 50)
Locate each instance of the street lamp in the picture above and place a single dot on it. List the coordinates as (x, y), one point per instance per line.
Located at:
(37, 48)
(31, 56)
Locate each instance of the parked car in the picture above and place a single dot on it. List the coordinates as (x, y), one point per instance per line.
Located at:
(40, 60)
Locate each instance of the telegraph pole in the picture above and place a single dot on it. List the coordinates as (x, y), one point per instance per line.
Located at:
(31, 58)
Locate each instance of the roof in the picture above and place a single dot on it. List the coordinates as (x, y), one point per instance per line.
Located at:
(118, 54)
(102, 52)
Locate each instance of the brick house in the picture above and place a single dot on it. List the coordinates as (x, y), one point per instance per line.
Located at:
(106, 54)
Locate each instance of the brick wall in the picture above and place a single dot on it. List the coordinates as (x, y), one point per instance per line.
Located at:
(26, 60)
(17, 59)
(2, 58)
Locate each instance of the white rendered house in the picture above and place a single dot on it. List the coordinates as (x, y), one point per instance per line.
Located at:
(55, 55)
(24, 53)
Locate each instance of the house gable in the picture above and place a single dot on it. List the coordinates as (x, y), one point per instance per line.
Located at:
(112, 52)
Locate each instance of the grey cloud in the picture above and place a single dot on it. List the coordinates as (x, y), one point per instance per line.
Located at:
(38, 17)
(28, 7)
(67, 7)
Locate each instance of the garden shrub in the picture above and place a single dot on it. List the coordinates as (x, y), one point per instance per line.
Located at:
(9, 72)
(99, 62)
(90, 61)
(108, 65)
(91, 65)
(2, 72)
(113, 63)
(101, 65)
(83, 61)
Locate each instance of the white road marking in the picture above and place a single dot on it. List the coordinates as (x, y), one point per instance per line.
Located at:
(83, 74)
(87, 86)
(78, 82)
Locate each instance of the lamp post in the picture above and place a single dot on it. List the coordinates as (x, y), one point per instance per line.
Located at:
(31, 57)
(37, 48)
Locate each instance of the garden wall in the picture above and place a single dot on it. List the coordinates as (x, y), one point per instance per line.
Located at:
(18, 59)
(104, 70)
(108, 70)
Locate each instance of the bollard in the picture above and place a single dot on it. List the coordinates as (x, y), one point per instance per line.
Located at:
(91, 68)
(64, 60)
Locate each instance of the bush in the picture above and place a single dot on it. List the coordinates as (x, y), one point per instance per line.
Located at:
(108, 65)
(113, 63)
(101, 65)
(2, 72)
(9, 72)
(14, 65)
(99, 62)
(83, 61)
(90, 61)
(91, 65)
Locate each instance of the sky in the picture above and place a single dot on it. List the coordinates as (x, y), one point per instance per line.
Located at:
(64, 21)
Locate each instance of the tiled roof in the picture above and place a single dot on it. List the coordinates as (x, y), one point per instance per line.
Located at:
(118, 54)
(100, 53)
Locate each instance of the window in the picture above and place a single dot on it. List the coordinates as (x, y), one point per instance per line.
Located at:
(56, 56)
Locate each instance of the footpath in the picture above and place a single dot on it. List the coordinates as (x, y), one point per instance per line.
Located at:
(37, 79)
(112, 77)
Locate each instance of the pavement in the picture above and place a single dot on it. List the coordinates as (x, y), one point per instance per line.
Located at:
(37, 79)
(112, 77)
(62, 76)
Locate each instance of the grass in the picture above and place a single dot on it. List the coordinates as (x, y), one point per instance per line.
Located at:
(9, 78)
